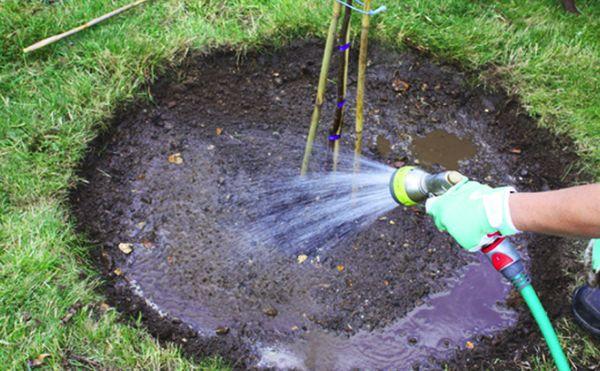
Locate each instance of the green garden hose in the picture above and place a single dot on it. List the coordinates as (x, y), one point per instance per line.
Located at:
(506, 260)
(538, 312)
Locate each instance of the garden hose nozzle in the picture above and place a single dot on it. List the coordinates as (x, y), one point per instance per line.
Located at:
(411, 185)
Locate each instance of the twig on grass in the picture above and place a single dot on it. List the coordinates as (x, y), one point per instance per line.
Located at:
(55, 38)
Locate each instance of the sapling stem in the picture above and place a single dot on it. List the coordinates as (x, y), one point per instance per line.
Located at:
(360, 88)
(314, 121)
(342, 83)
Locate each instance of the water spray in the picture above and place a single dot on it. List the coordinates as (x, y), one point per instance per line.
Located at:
(410, 186)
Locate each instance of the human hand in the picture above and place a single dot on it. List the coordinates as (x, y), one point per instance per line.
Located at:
(470, 212)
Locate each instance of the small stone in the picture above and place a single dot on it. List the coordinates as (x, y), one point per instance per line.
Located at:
(515, 150)
(386, 282)
(392, 222)
(218, 131)
(400, 86)
(271, 312)
(171, 104)
(118, 272)
(210, 147)
(295, 328)
(302, 258)
(222, 330)
(340, 268)
(469, 345)
(175, 158)
(126, 248)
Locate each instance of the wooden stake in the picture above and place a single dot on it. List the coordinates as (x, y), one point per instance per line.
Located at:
(314, 121)
(55, 38)
(360, 88)
(342, 84)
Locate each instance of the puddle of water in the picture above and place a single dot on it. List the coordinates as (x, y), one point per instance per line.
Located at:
(437, 328)
(441, 147)
(384, 147)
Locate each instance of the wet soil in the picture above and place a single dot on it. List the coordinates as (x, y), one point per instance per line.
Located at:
(168, 180)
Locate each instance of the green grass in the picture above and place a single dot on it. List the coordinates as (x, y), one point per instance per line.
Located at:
(54, 101)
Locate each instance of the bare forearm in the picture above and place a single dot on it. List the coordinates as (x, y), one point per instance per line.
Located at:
(572, 211)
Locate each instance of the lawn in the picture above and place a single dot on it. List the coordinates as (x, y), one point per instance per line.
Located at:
(53, 102)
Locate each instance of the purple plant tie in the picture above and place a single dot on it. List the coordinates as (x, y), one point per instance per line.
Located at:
(334, 137)
(344, 47)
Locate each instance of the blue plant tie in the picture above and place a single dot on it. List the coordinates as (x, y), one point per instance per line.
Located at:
(334, 137)
(344, 47)
(370, 12)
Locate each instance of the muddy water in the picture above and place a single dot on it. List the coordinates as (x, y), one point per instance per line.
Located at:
(445, 322)
(384, 146)
(372, 295)
(443, 148)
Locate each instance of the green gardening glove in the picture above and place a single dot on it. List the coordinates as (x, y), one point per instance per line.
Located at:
(471, 211)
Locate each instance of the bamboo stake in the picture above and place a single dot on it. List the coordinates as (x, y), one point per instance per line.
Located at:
(360, 88)
(55, 38)
(342, 83)
(314, 121)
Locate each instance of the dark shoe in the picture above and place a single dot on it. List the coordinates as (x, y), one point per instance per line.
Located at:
(586, 308)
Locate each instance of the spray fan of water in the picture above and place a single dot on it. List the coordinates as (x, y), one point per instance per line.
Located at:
(315, 212)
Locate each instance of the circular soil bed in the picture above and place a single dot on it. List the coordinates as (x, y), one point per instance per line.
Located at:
(164, 201)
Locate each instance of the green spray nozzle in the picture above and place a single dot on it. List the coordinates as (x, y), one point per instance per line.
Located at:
(411, 185)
